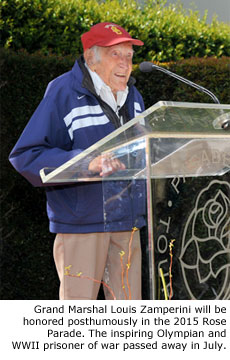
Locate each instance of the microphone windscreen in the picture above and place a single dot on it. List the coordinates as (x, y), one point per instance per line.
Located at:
(146, 66)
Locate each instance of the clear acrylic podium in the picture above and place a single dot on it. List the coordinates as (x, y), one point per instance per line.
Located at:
(177, 167)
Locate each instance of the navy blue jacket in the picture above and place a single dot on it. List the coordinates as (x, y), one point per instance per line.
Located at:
(68, 120)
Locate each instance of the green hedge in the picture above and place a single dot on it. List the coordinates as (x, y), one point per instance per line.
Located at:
(210, 73)
(27, 269)
(169, 33)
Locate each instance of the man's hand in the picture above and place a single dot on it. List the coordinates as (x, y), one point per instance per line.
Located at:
(105, 165)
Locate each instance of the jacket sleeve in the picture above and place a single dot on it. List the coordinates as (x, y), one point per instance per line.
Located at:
(45, 142)
(135, 104)
(141, 101)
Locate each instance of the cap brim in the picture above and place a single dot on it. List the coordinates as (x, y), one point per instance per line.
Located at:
(119, 41)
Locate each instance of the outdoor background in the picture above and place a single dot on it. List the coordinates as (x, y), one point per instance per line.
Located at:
(40, 39)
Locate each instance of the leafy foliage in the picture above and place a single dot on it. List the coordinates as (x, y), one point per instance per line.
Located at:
(55, 26)
(211, 73)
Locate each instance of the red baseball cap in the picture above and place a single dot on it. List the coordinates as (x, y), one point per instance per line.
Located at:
(107, 34)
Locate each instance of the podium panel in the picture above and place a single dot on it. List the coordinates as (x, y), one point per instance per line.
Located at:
(193, 214)
(176, 159)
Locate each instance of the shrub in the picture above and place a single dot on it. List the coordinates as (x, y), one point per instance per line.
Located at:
(210, 73)
(27, 269)
(169, 33)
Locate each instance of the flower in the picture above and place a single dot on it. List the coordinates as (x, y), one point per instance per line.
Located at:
(205, 251)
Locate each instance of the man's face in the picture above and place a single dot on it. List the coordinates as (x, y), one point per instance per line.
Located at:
(115, 65)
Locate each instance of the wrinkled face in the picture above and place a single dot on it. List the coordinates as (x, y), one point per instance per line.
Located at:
(115, 65)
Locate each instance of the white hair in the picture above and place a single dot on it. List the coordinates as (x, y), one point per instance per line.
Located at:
(96, 51)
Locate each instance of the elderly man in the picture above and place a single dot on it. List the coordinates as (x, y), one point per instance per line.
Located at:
(79, 108)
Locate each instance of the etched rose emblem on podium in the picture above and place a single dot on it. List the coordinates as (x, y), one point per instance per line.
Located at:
(205, 247)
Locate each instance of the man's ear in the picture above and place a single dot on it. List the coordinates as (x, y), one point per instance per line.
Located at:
(89, 58)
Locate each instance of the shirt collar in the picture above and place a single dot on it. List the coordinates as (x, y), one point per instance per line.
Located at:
(105, 92)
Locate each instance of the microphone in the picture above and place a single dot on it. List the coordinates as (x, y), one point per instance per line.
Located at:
(222, 121)
(147, 66)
